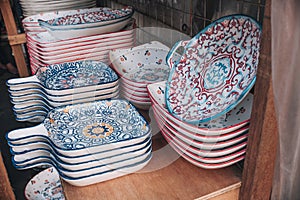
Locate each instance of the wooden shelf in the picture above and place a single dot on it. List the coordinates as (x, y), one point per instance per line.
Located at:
(167, 176)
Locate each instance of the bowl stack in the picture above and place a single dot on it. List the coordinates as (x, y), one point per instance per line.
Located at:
(61, 84)
(204, 107)
(213, 144)
(84, 34)
(87, 143)
(139, 66)
(32, 7)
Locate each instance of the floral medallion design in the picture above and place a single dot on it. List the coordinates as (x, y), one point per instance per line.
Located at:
(93, 16)
(75, 74)
(45, 185)
(96, 123)
(217, 69)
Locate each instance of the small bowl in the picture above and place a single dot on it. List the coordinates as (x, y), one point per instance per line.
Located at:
(45, 185)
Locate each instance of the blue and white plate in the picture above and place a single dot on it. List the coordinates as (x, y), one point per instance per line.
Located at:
(216, 71)
(62, 79)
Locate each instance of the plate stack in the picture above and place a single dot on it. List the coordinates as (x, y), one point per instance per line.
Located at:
(139, 66)
(204, 107)
(85, 34)
(214, 144)
(87, 143)
(59, 85)
(32, 7)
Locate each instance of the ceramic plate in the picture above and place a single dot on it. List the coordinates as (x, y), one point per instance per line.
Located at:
(63, 78)
(216, 71)
(88, 126)
(45, 185)
(89, 18)
(234, 119)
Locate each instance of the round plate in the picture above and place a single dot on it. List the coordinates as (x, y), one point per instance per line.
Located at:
(216, 71)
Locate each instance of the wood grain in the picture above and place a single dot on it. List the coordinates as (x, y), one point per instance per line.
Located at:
(6, 191)
(263, 134)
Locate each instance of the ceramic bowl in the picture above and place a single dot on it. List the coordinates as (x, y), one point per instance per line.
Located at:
(83, 128)
(134, 92)
(236, 118)
(45, 185)
(142, 64)
(62, 79)
(216, 70)
(89, 18)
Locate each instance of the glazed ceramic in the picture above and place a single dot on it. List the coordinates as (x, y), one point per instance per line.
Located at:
(39, 94)
(194, 136)
(231, 121)
(206, 165)
(83, 128)
(89, 168)
(29, 150)
(75, 163)
(45, 185)
(62, 79)
(206, 153)
(199, 144)
(107, 175)
(141, 64)
(216, 71)
(63, 34)
(45, 42)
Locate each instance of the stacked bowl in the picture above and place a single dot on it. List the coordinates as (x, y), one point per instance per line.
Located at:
(87, 143)
(97, 38)
(32, 7)
(204, 107)
(139, 66)
(61, 84)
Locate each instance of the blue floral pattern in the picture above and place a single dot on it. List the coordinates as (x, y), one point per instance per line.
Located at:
(75, 74)
(96, 123)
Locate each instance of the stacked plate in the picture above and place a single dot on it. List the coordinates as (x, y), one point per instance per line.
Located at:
(213, 144)
(45, 49)
(32, 7)
(87, 143)
(204, 107)
(86, 22)
(59, 85)
(139, 66)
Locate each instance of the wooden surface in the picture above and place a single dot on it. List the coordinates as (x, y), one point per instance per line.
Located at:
(167, 176)
(6, 192)
(15, 39)
(263, 134)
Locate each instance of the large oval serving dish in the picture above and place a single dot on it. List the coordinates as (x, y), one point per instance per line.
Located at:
(216, 71)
